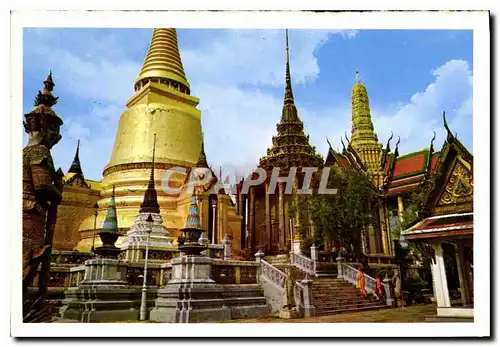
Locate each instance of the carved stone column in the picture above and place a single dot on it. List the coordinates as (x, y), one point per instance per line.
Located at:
(251, 221)
(205, 211)
(309, 309)
(298, 224)
(286, 225)
(400, 208)
(383, 230)
(439, 277)
(268, 216)
(281, 216)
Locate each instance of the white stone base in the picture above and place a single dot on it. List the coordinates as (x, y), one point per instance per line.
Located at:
(137, 236)
(134, 253)
(191, 270)
(455, 312)
(105, 271)
(134, 245)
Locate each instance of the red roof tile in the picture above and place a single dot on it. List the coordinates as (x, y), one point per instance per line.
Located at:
(402, 189)
(344, 162)
(388, 160)
(408, 165)
(434, 162)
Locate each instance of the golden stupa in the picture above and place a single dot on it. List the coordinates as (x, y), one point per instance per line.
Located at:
(161, 105)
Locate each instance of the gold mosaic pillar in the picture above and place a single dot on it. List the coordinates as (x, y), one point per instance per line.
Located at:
(281, 217)
(268, 215)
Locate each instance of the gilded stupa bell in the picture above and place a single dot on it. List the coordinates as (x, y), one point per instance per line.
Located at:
(161, 105)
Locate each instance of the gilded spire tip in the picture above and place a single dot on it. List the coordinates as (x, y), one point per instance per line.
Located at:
(163, 62)
(288, 78)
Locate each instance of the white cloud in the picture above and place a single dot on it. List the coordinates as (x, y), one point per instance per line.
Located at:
(231, 74)
(239, 119)
(451, 91)
(256, 57)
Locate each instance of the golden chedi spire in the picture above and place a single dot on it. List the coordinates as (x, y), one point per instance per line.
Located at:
(363, 137)
(290, 146)
(161, 105)
(163, 61)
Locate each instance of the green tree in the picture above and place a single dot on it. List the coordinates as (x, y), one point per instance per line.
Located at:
(341, 218)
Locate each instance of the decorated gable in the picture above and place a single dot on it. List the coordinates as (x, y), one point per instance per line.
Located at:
(457, 194)
(453, 188)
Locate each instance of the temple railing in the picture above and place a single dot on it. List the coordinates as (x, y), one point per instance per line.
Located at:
(272, 281)
(303, 263)
(302, 295)
(272, 273)
(349, 274)
(76, 275)
(298, 294)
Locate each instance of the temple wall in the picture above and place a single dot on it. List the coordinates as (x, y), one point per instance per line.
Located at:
(77, 204)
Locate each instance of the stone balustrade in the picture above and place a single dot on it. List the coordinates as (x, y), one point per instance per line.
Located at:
(348, 273)
(273, 282)
(223, 272)
(303, 263)
(272, 273)
(302, 293)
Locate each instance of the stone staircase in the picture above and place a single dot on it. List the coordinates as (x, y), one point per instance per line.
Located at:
(330, 294)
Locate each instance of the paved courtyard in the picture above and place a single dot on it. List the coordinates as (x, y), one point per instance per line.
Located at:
(409, 314)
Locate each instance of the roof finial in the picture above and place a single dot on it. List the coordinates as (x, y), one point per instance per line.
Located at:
(432, 141)
(150, 202)
(347, 138)
(288, 78)
(287, 47)
(388, 147)
(358, 79)
(329, 144)
(396, 151)
(75, 165)
(450, 134)
(343, 145)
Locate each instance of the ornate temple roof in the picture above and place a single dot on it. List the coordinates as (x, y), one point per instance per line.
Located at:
(348, 159)
(290, 147)
(447, 211)
(163, 61)
(75, 165)
(453, 188)
(150, 202)
(402, 173)
(451, 225)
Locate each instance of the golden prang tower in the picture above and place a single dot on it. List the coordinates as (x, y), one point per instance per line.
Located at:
(363, 137)
(161, 105)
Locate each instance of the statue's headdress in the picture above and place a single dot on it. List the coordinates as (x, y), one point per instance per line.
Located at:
(42, 116)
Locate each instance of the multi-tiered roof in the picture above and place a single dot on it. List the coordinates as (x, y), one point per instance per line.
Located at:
(290, 147)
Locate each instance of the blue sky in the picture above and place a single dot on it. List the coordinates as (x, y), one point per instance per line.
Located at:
(412, 76)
